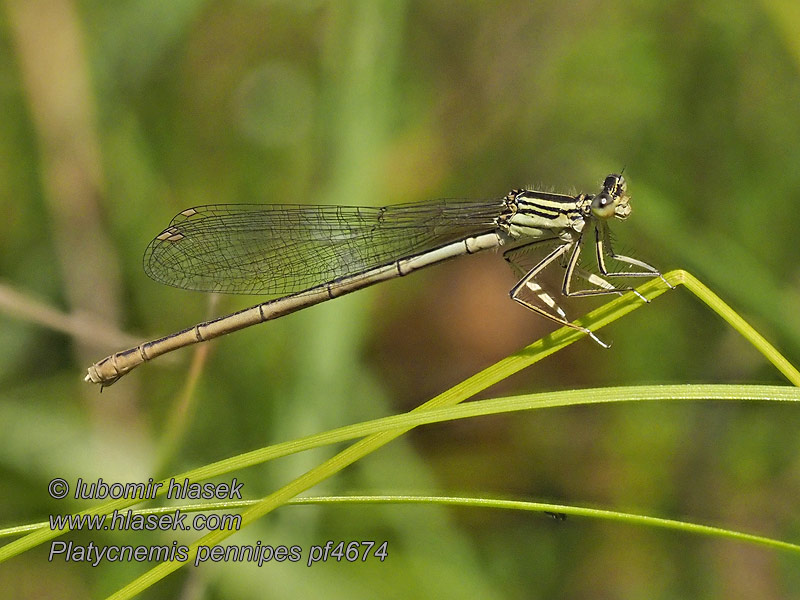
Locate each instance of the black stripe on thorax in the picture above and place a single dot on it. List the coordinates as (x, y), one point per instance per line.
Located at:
(547, 206)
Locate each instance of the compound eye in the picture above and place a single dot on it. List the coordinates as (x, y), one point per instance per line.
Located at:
(603, 205)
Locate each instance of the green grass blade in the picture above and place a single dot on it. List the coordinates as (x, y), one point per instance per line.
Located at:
(475, 502)
(716, 304)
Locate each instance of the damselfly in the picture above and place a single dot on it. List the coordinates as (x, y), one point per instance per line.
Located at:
(316, 253)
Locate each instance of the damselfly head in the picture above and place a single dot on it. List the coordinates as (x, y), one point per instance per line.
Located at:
(613, 200)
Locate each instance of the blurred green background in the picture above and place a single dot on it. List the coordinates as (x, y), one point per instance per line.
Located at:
(116, 115)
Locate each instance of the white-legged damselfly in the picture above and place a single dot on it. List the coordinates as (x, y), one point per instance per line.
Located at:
(310, 254)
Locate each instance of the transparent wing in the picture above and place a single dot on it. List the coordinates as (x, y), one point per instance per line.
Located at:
(281, 248)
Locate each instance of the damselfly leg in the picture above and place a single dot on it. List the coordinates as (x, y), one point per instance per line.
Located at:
(531, 294)
(604, 248)
(547, 305)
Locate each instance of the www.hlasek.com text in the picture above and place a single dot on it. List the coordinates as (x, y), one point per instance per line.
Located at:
(130, 520)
